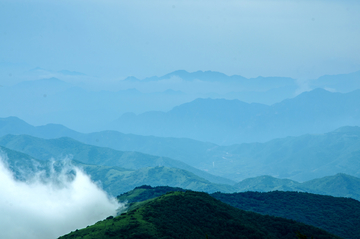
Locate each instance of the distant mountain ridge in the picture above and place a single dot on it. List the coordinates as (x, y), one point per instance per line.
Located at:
(340, 82)
(337, 83)
(14, 125)
(231, 121)
(339, 185)
(68, 97)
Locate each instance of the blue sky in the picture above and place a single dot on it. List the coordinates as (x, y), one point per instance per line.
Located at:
(116, 39)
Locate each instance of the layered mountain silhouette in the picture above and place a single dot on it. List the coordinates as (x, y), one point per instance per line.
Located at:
(299, 158)
(120, 171)
(232, 121)
(58, 149)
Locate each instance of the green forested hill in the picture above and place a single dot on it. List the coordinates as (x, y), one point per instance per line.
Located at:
(194, 215)
(340, 216)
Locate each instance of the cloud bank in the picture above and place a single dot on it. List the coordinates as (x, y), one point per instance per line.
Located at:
(45, 209)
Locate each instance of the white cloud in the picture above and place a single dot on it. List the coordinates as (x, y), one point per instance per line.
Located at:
(48, 209)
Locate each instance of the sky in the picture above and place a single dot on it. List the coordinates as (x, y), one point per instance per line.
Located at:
(113, 39)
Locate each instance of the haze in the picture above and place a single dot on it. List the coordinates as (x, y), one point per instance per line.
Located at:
(206, 95)
(116, 39)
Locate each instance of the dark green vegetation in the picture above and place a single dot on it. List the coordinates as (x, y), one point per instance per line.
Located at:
(194, 215)
(340, 216)
(146, 192)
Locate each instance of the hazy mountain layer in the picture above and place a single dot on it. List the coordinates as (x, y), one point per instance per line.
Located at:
(118, 179)
(44, 149)
(194, 215)
(232, 121)
(339, 185)
(59, 97)
(298, 158)
(113, 179)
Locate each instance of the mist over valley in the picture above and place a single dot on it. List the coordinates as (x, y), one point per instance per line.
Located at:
(179, 119)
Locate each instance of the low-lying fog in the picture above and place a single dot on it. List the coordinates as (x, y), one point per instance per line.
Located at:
(45, 209)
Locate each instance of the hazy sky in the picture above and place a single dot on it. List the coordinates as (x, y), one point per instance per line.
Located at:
(301, 39)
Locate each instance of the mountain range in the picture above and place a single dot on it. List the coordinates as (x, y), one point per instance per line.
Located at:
(299, 158)
(69, 98)
(228, 122)
(119, 171)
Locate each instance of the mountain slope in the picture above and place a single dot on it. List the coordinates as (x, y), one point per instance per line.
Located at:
(158, 176)
(339, 216)
(299, 158)
(194, 215)
(339, 185)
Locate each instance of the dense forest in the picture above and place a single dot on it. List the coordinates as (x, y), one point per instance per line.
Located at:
(195, 215)
(340, 216)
